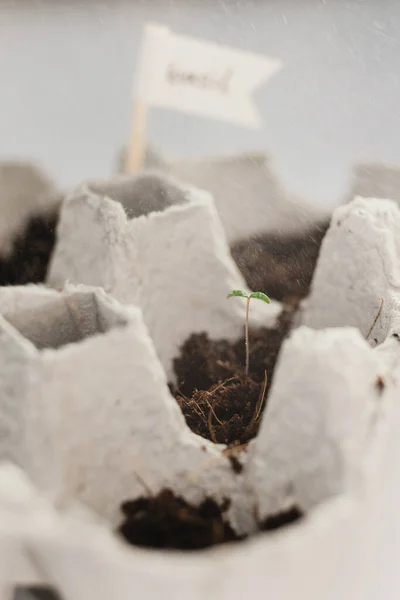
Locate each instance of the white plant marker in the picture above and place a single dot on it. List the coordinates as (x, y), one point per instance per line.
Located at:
(197, 77)
(170, 258)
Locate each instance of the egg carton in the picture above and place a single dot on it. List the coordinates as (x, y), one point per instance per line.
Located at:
(88, 420)
(153, 242)
(250, 198)
(375, 179)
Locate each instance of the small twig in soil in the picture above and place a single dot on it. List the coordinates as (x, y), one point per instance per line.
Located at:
(178, 391)
(223, 364)
(259, 406)
(262, 396)
(213, 413)
(376, 318)
(236, 449)
(200, 410)
(258, 296)
(210, 426)
(222, 385)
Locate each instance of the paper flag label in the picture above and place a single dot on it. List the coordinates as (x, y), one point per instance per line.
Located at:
(200, 77)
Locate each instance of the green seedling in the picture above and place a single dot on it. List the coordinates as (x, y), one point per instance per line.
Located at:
(258, 296)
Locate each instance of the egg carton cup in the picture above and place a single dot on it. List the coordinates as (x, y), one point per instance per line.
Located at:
(357, 278)
(248, 194)
(345, 548)
(152, 242)
(82, 389)
(348, 288)
(376, 180)
(88, 420)
(62, 546)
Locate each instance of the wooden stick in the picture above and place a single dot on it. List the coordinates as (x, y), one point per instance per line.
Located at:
(137, 145)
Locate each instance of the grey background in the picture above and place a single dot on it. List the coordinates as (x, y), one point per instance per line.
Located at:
(66, 71)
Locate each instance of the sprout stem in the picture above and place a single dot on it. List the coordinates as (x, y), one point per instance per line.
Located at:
(259, 296)
(246, 336)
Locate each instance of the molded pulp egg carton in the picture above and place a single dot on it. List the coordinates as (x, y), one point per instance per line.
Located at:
(87, 416)
(248, 194)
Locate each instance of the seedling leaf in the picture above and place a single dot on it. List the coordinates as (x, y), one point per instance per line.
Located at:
(260, 296)
(237, 293)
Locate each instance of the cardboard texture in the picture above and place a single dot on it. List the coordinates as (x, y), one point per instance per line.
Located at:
(81, 400)
(166, 253)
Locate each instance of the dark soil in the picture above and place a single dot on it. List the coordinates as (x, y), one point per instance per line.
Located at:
(32, 250)
(38, 592)
(217, 401)
(169, 522)
(286, 517)
(220, 404)
(283, 267)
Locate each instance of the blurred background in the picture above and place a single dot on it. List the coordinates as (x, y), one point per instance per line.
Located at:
(67, 71)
